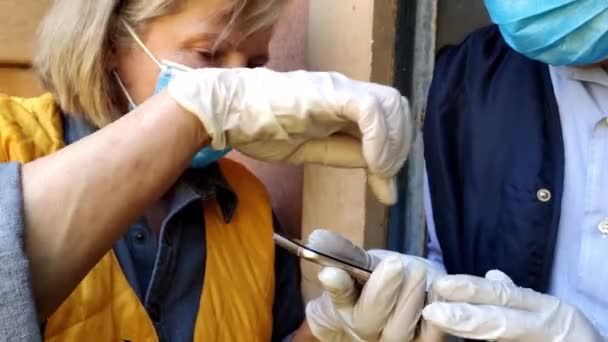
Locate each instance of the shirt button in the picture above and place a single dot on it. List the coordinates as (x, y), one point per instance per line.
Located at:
(603, 226)
(543, 195)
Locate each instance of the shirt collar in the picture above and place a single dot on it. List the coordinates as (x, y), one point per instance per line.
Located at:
(595, 74)
(194, 184)
(209, 183)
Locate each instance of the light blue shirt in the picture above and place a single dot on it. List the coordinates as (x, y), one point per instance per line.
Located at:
(580, 269)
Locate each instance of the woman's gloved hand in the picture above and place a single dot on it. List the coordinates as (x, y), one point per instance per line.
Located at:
(387, 309)
(494, 308)
(302, 117)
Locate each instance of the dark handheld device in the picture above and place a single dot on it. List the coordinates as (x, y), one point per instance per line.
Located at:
(323, 258)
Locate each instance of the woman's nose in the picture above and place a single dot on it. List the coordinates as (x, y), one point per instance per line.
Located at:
(235, 59)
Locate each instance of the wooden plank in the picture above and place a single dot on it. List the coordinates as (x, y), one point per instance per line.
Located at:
(344, 37)
(334, 199)
(19, 82)
(383, 43)
(339, 39)
(19, 20)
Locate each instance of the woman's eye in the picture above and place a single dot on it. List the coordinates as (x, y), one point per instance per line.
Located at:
(209, 56)
(257, 63)
(254, 65)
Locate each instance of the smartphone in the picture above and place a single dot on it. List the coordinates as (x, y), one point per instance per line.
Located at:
(358, 272)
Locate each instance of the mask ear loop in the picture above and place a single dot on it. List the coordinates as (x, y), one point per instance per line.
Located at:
(124, 90)
(140, 43)
(143, 46)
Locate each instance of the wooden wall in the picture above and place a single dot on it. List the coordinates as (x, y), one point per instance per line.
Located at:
(18, 22)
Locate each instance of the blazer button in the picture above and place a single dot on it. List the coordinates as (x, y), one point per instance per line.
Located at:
(603, 227)
(543, 195)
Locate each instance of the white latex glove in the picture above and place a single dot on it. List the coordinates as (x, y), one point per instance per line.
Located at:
(494, 308)
(294, 117)
(387, 309)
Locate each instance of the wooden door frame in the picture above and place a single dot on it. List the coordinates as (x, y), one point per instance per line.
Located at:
(356, 38)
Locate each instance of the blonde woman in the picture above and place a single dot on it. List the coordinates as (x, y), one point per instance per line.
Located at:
(126, 227)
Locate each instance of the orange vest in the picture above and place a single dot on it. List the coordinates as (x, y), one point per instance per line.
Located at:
(238, 290)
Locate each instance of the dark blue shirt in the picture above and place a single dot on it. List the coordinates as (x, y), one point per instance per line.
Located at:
(166, 272)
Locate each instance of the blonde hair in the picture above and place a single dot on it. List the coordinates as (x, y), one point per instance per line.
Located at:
(76, 39)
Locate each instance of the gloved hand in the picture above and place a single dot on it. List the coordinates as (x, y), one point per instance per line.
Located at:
(494, 308)
(294, 117)
(387, 309)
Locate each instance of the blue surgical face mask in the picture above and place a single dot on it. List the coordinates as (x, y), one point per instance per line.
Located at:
(556, 32)
(168, 70)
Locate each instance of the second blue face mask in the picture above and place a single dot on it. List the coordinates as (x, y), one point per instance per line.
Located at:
(207, 155)
(557, 32)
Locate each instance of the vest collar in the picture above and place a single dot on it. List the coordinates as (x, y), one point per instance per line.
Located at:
(595, 74)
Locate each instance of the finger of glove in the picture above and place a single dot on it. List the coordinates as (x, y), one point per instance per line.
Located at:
(483, 322)
(383, 253)
(378, 298)
(384, 189)
(401, 325)
(433, 269)
(334, 244)
(339, 286)
(499, 276)
(336, 151)
(379, 143)
(430, 333)
(271, 151)
(400, 124)
(476, 290)
(377, 255)
(321, 317)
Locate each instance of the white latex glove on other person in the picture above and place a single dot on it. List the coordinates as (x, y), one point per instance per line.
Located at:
(294, 118)
(494, 308)
(387, 309)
